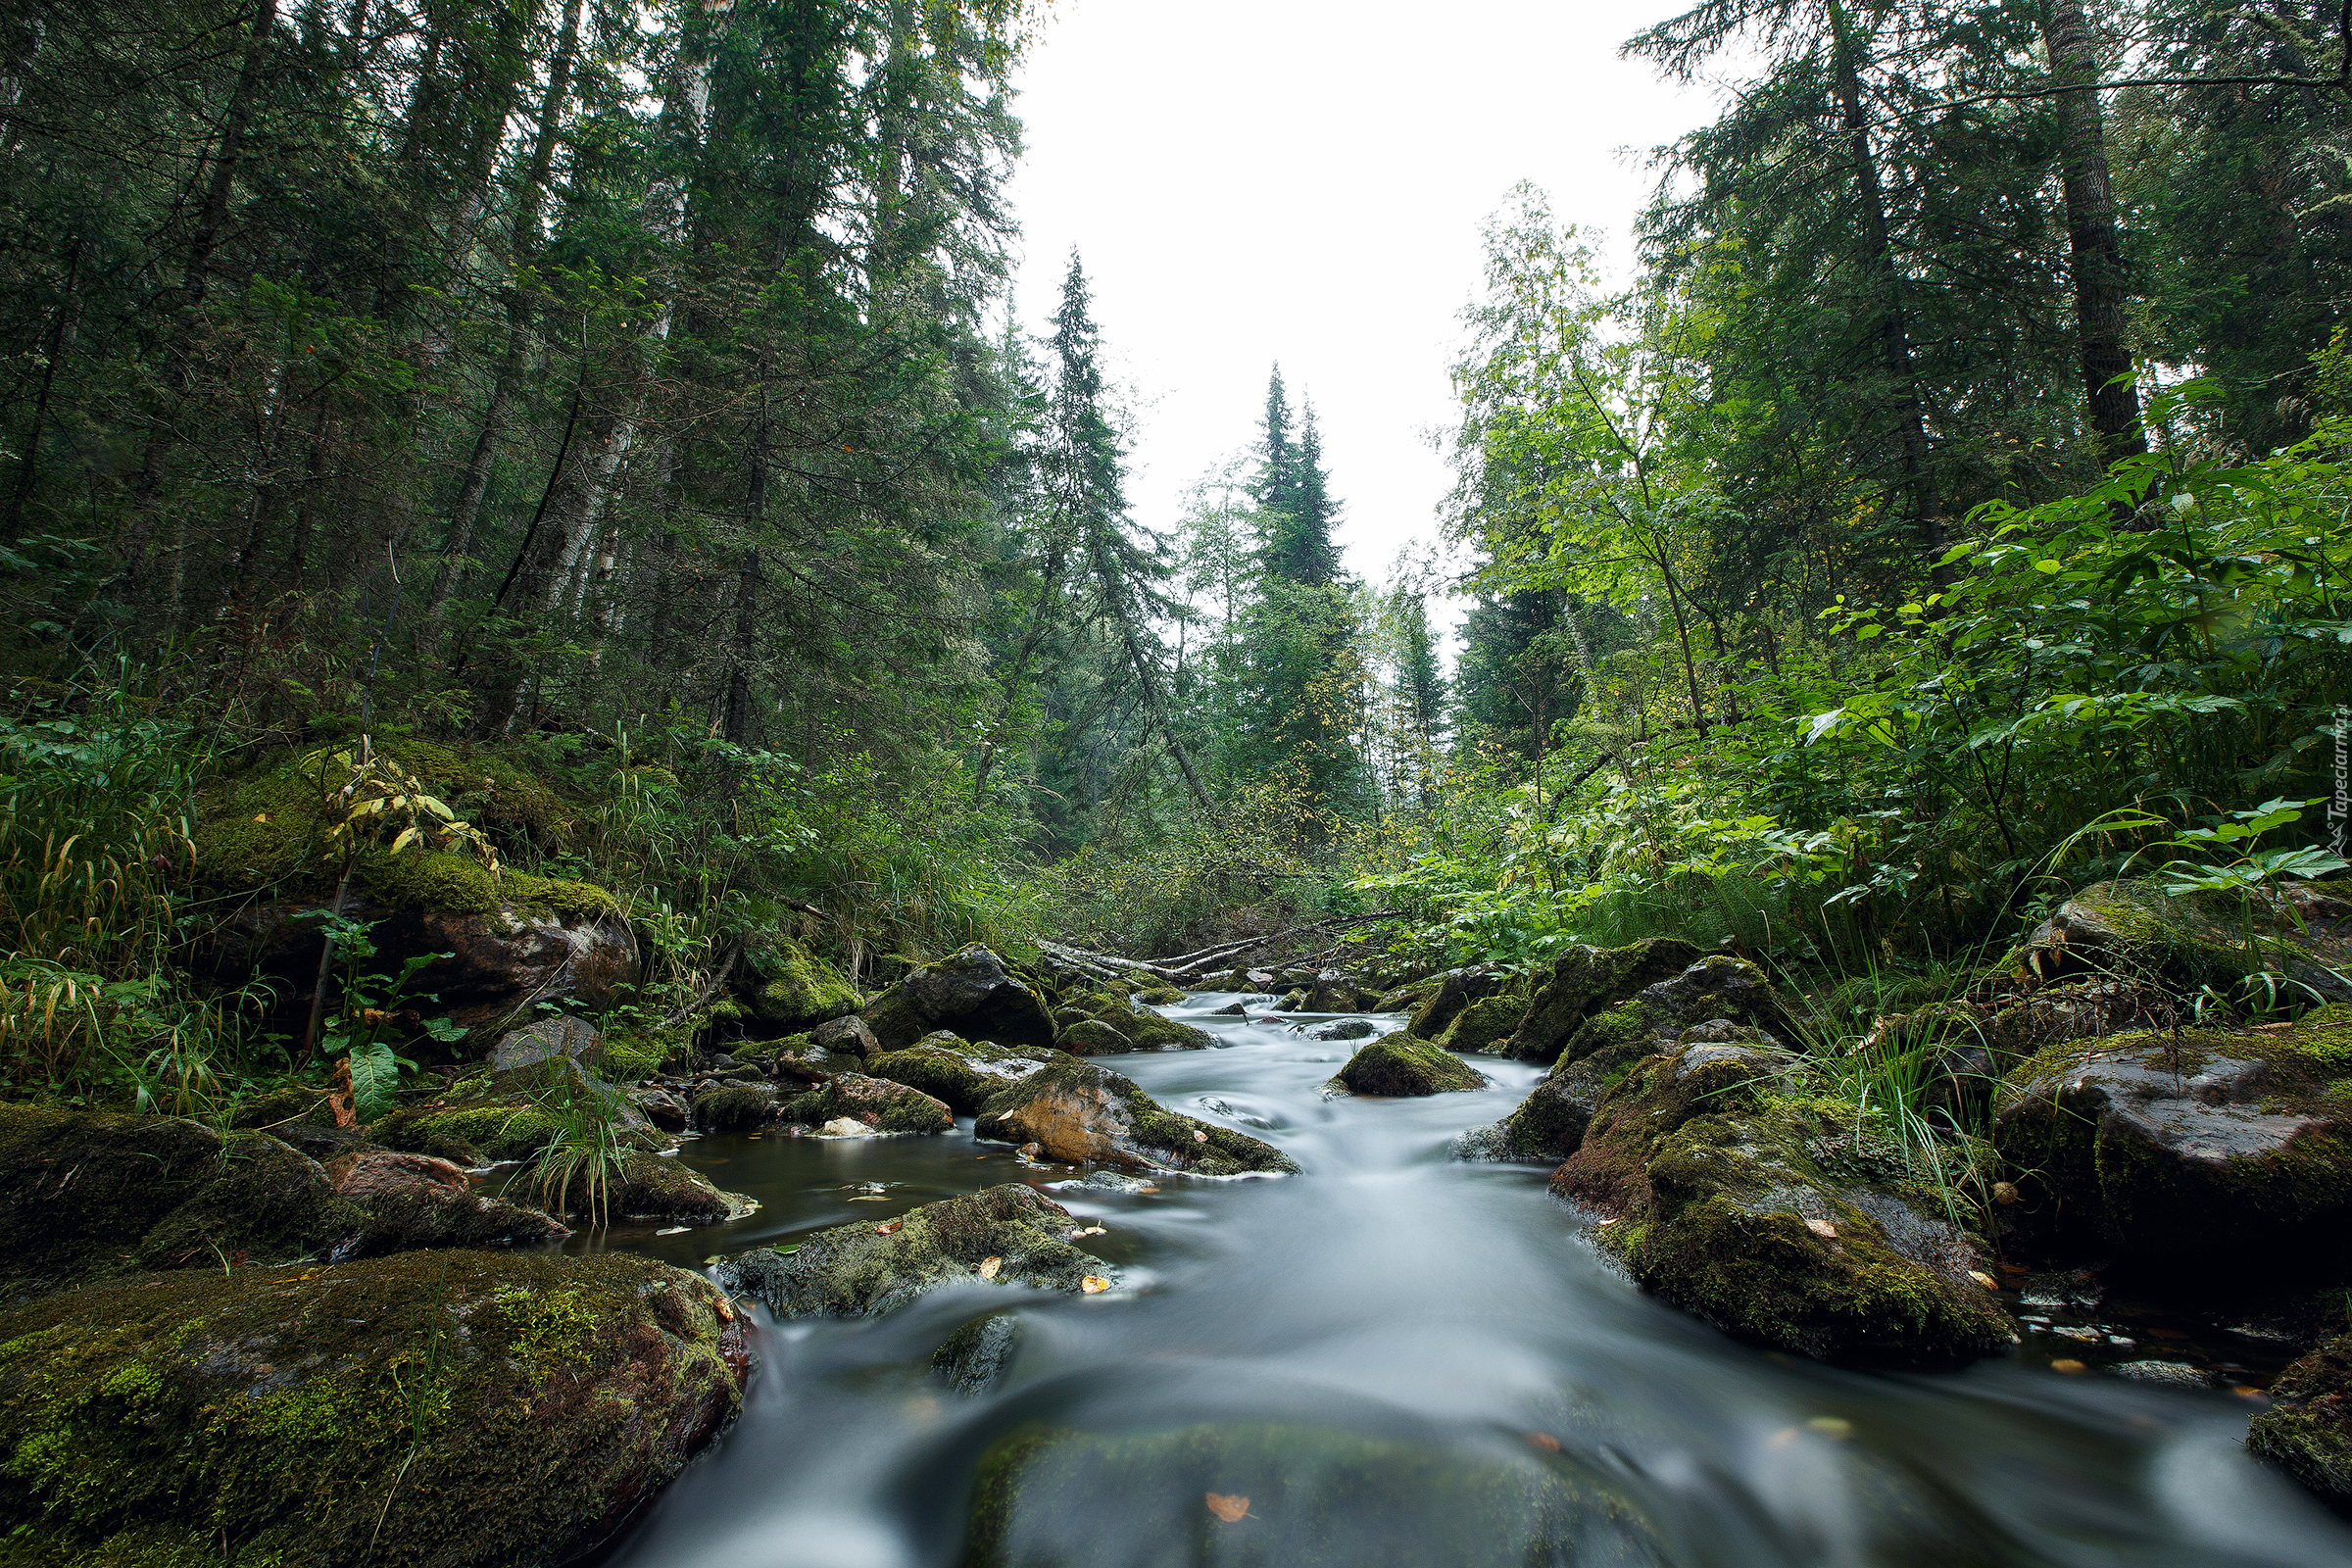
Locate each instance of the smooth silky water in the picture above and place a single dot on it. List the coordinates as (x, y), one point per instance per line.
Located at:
(1393, 1294)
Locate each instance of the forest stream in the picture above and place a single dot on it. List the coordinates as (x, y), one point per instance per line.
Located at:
(1443, 1311)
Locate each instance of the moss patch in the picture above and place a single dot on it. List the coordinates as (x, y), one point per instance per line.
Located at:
(1397, 1064)
(349, 1415)
(791, 987)
(2308, 1430)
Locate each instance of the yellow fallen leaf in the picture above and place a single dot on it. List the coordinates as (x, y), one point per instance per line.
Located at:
(2068, 1365)
(2004, 1191)
(1232, 1510)
(1981, 1278)
(1545, 1440)
(890, 1229)
(1146, 1188)
(2244, 1391)
(1821, 1228)
(1830, 1426)
(1199, 1137)
(989, 1267)
(1094, 1285)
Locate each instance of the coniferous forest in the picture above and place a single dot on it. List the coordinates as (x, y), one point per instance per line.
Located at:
(576, 675)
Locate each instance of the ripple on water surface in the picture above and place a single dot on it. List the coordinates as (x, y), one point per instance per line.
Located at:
(1394, 1360)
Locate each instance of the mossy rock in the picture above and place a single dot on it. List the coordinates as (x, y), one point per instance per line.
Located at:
(494, 1117)
(734, 1107)
(1451, 993)
(646, 1186)
(972, 993)
(2307, 1432)
(1146, 1030)
(1586, 980)
(1160, 995)
(962, 1074)
(790, 988)
(884, 1106)
(1398, 1065)
(1483, 1024)
(94, 1195)
(1093, 1037)
(297, 1106)
(975, 1357)
(869, 1268)
(2131, 931)
(1709, 1165)
(1080, 1113)
(360, 1412)
(2174, 1146)
(1315, 1497)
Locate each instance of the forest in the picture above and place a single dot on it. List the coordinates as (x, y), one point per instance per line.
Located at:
(584, 459)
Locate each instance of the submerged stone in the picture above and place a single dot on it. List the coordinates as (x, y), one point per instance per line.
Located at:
(466, 1409)
(1079, 1113)
(976, 1356)
(1398, 1065)
(867, 1269)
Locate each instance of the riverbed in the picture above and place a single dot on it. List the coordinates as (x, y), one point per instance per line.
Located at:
(1450, 1312)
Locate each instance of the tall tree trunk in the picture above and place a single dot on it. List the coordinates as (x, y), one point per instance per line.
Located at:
(2094, 254)
(1893, 330)
(182, 345)
(523, 254)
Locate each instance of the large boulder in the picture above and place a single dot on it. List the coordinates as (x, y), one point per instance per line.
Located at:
(546, 1038)
(415, 1201)
(972, 993)
(1079, 1113)
(1719, 1182)
(2307, 1431)
(1584, 980)
(2132, 932)
(964, 1074)
(635, 1185)
(1456, 990)
(1719, 999)
(1483, 1024)
(464, 1409)
(2175, 1147)
(1301, 1495)
(489, 1117)
(1398, 1065)
(878, 1103)
(1099, 1022)
(869, 1268)
(785, 985)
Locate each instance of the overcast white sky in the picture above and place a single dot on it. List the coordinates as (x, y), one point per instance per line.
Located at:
(1253, 180)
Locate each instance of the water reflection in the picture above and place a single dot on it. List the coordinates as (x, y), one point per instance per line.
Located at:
(1381, 1355)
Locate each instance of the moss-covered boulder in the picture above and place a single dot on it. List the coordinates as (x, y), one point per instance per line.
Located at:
(973, 994)
(1079, 1113)
(878, 1103)
(1302, 1497)
(1719, 999)
(1451, 992)
(90, 1196)
(1724, 1182)
(1159, 996)
(1094, 1037)
(867, 1269)
(413, 1202)
(464, 1409)
(642, 1187)
(846, 1037)
(734, 1107)
(784, 984)
(1398, 1065)
(2307, 1431)
(1123, 1025)
(1483, 1024)
(962, 1074)
(2130, 931)
(2169, 1145)
(1584, 981)
(491, 1117)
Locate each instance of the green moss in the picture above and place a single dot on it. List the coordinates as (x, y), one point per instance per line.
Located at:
(351, 1413)
(733, 1108)
(794, 988)
(266, 1203)
(1483, 1023)
(886, 1106)
(859, 1270)
(2308, 1430)
(85, 1190)
(1397, 1064)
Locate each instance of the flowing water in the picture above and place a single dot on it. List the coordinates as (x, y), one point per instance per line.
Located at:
(1443, 1310)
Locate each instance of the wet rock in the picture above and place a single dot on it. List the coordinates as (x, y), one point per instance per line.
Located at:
(2130, 932)
(1398, 1065)
(534, 1400)
(972, 993)
(664, 1108)
(1586, 980)
(2166, 1146)
(1132, 1027)
(1456, 990)
(86, 1196)
(2169, 1374)
(1158, 997)
(548, 1038)
(1079, 1113)
(959, 1073)
(1345, 1029)
(657, 1187)
(1092, 1037)
(976, 1356)
(867, 1269)
(413, 1202)
(1293, 1001)
(490, 1117)
(734, 1107)
(2307, 1432)
(1314, 1497)
(1705, 1168)
(786, 986)
(1484, 1025)
(878, 1103)
(1238, 1010)
(1404, 998)
(849, 1037)
(1337, 991)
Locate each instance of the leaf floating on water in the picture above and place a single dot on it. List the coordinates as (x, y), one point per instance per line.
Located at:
(1096, 1285)
(2070, 1366)
(1823, 1229)
(889, 1229)
(673, 1230)
(1542, 1440)
(1785, 1437)
(1232, 1510)
(2245, 1391)
(875, 1198)
(1837, 1428)
(1607, 1223)
(1981, 1278)
(989, 1267)
(1146, 1188)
